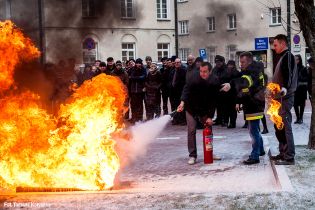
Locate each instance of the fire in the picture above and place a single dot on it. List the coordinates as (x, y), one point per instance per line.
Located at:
(72, 150)
(13, 47)
(274, 105)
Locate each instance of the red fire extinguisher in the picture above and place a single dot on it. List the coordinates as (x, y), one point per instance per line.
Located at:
(208, 145)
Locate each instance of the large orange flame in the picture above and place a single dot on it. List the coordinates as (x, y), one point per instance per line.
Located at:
(72, 150)
(14, 46)
(274, 105)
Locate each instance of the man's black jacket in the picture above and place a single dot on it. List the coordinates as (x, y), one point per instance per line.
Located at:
(200, 95)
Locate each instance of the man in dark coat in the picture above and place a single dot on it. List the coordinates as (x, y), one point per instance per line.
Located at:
(110, 65)
(177, 80)
(137, 79)
(190, 66)
(102, 67)
(300, 95)
(165, 71)
(231, 115)
(148, 62)
(198, 99)
(220, 71)
(121, 73)
(153, 92)
(286, 76)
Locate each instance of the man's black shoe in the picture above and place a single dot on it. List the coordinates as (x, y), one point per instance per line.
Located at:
(285, 162)
(224, 124)
(265, 131)
(175, 123)
(262, 153)
(231, 126)
(182, 123)
(217, 123)
(250, 161)
(277, 157)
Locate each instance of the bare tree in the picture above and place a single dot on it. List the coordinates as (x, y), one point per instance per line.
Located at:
(305, 11)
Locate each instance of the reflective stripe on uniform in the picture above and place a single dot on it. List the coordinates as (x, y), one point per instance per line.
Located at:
(249, 79)
(262, 78)
(245, 90)
(255, 116)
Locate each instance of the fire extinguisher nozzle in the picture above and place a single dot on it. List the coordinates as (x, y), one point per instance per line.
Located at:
(172, 114)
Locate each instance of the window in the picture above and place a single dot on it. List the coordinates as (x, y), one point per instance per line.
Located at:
(163, 50)
(275, 16)
(183, 53)
(127, 10)
(183, 27)
(162, 7)
(88, 8)
(211, 51)
(89, 47)
(211, 24)
(232, 21)
(128, 51)
(231, 52)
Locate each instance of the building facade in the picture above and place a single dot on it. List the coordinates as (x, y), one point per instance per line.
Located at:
(230, 27)
(87, 30)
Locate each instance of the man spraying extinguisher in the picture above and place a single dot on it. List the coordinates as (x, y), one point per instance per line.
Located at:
(198, 99)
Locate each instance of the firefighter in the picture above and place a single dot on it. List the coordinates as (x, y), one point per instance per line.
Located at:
(250, 92)
(198, 100)
(286, 76)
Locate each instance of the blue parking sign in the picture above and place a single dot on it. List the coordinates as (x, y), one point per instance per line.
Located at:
(203, 54)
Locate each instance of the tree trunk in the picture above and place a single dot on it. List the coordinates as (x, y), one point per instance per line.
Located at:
(305, 12)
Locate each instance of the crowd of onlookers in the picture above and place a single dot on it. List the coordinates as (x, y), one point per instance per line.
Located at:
(151, 86)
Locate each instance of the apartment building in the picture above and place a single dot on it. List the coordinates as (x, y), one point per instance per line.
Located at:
(229, 27)
(96, 29)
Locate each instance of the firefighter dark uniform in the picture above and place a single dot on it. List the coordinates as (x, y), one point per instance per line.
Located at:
(250, 89)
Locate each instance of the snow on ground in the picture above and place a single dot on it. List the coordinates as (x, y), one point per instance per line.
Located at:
(162, 179)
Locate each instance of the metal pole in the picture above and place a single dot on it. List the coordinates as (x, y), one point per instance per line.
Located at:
(41, 32)
(176, 27)
(289, 24)
(8, 9)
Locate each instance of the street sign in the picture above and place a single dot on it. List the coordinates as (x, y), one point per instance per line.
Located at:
(261, 43)
(203, 54)
(297, 48)
(296, 39)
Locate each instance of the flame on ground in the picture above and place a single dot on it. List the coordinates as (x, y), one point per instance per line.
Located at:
(274, 105)
(72, 150)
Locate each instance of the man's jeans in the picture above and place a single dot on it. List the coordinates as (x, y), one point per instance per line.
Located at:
(191, 135)
(285, 136)
(257, 141)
